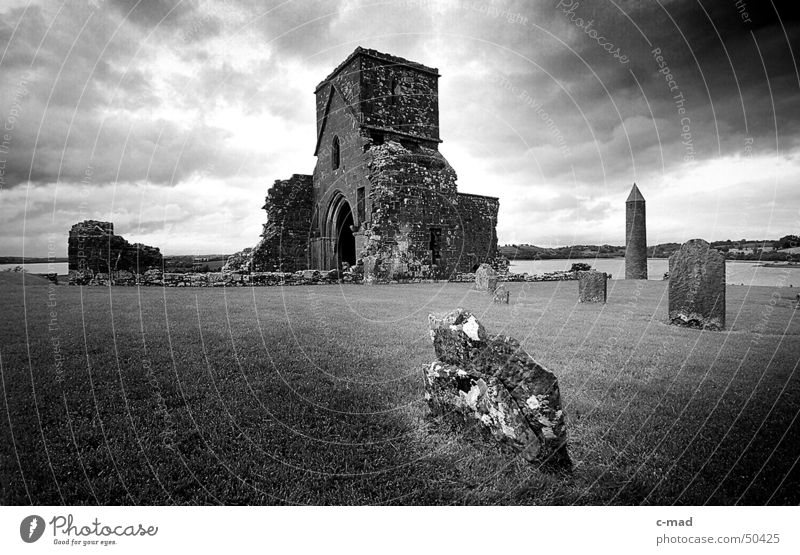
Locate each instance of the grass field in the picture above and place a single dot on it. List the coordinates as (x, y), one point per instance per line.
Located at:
(313, 395)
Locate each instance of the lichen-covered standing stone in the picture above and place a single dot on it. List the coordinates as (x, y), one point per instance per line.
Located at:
(592, 286)
(370, 269)
(485, 278)
(494, 381)
(697, 286)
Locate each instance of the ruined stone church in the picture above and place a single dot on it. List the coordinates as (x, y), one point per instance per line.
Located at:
(382, 195)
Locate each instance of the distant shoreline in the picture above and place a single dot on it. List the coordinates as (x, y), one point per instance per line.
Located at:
(794, 265)
(31, 259)
(584, 257)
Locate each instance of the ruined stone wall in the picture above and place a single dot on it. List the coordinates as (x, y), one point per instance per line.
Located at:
(284, 241)
(400, 97)
(347, 82)
(351, 173)
(377, 159)
(478, 219)
(385, 92)
(417, 227)
(93, 248)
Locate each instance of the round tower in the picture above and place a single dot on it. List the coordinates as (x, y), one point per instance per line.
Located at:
(635, 236)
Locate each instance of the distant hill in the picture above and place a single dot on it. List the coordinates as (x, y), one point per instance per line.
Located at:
(744, 249)
(532, 252)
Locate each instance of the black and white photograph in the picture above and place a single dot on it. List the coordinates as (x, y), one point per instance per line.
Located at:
(479, 253)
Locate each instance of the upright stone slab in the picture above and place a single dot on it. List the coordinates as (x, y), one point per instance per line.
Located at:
(592, 286)
(635, 236)
(495, 382)
(501, 295)
(370, 269)
(697, 286)
(485, 279)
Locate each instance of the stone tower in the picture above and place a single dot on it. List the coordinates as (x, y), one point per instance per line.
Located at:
(382, 196)
(635, 236)
(383, 193)
(369, 99)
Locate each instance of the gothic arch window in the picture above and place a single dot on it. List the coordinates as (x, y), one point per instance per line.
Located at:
(335, 153)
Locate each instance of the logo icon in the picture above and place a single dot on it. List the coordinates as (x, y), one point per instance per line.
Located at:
(31, 528)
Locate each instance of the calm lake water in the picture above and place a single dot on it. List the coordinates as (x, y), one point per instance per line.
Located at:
(736, 272)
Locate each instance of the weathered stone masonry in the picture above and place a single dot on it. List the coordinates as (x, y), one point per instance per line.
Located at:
(381, 190)
(284, 240)
(92, 249)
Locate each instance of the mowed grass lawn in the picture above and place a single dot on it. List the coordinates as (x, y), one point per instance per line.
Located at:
(314, 395)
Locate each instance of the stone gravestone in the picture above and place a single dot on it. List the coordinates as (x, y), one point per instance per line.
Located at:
(370, 269)
(493, 381)
(592, 286)
(485, 279)
(697, 286)
(501, 295)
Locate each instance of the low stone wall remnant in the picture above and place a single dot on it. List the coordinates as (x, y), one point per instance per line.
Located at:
(238, 277)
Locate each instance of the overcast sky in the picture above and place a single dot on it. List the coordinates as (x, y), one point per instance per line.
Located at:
(171, 119)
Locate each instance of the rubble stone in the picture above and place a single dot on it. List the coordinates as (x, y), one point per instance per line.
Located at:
(493, 381)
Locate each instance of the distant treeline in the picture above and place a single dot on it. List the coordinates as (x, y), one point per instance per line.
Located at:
(744, 249)
(187, 263)
(192, 263)
(29, 260)
(532, 252)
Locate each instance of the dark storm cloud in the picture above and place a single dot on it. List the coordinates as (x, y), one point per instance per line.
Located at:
(153, 13)
(530, 99)
(90, 101)
(619, 119)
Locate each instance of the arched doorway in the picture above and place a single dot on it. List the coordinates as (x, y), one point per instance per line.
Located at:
(340, 225)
